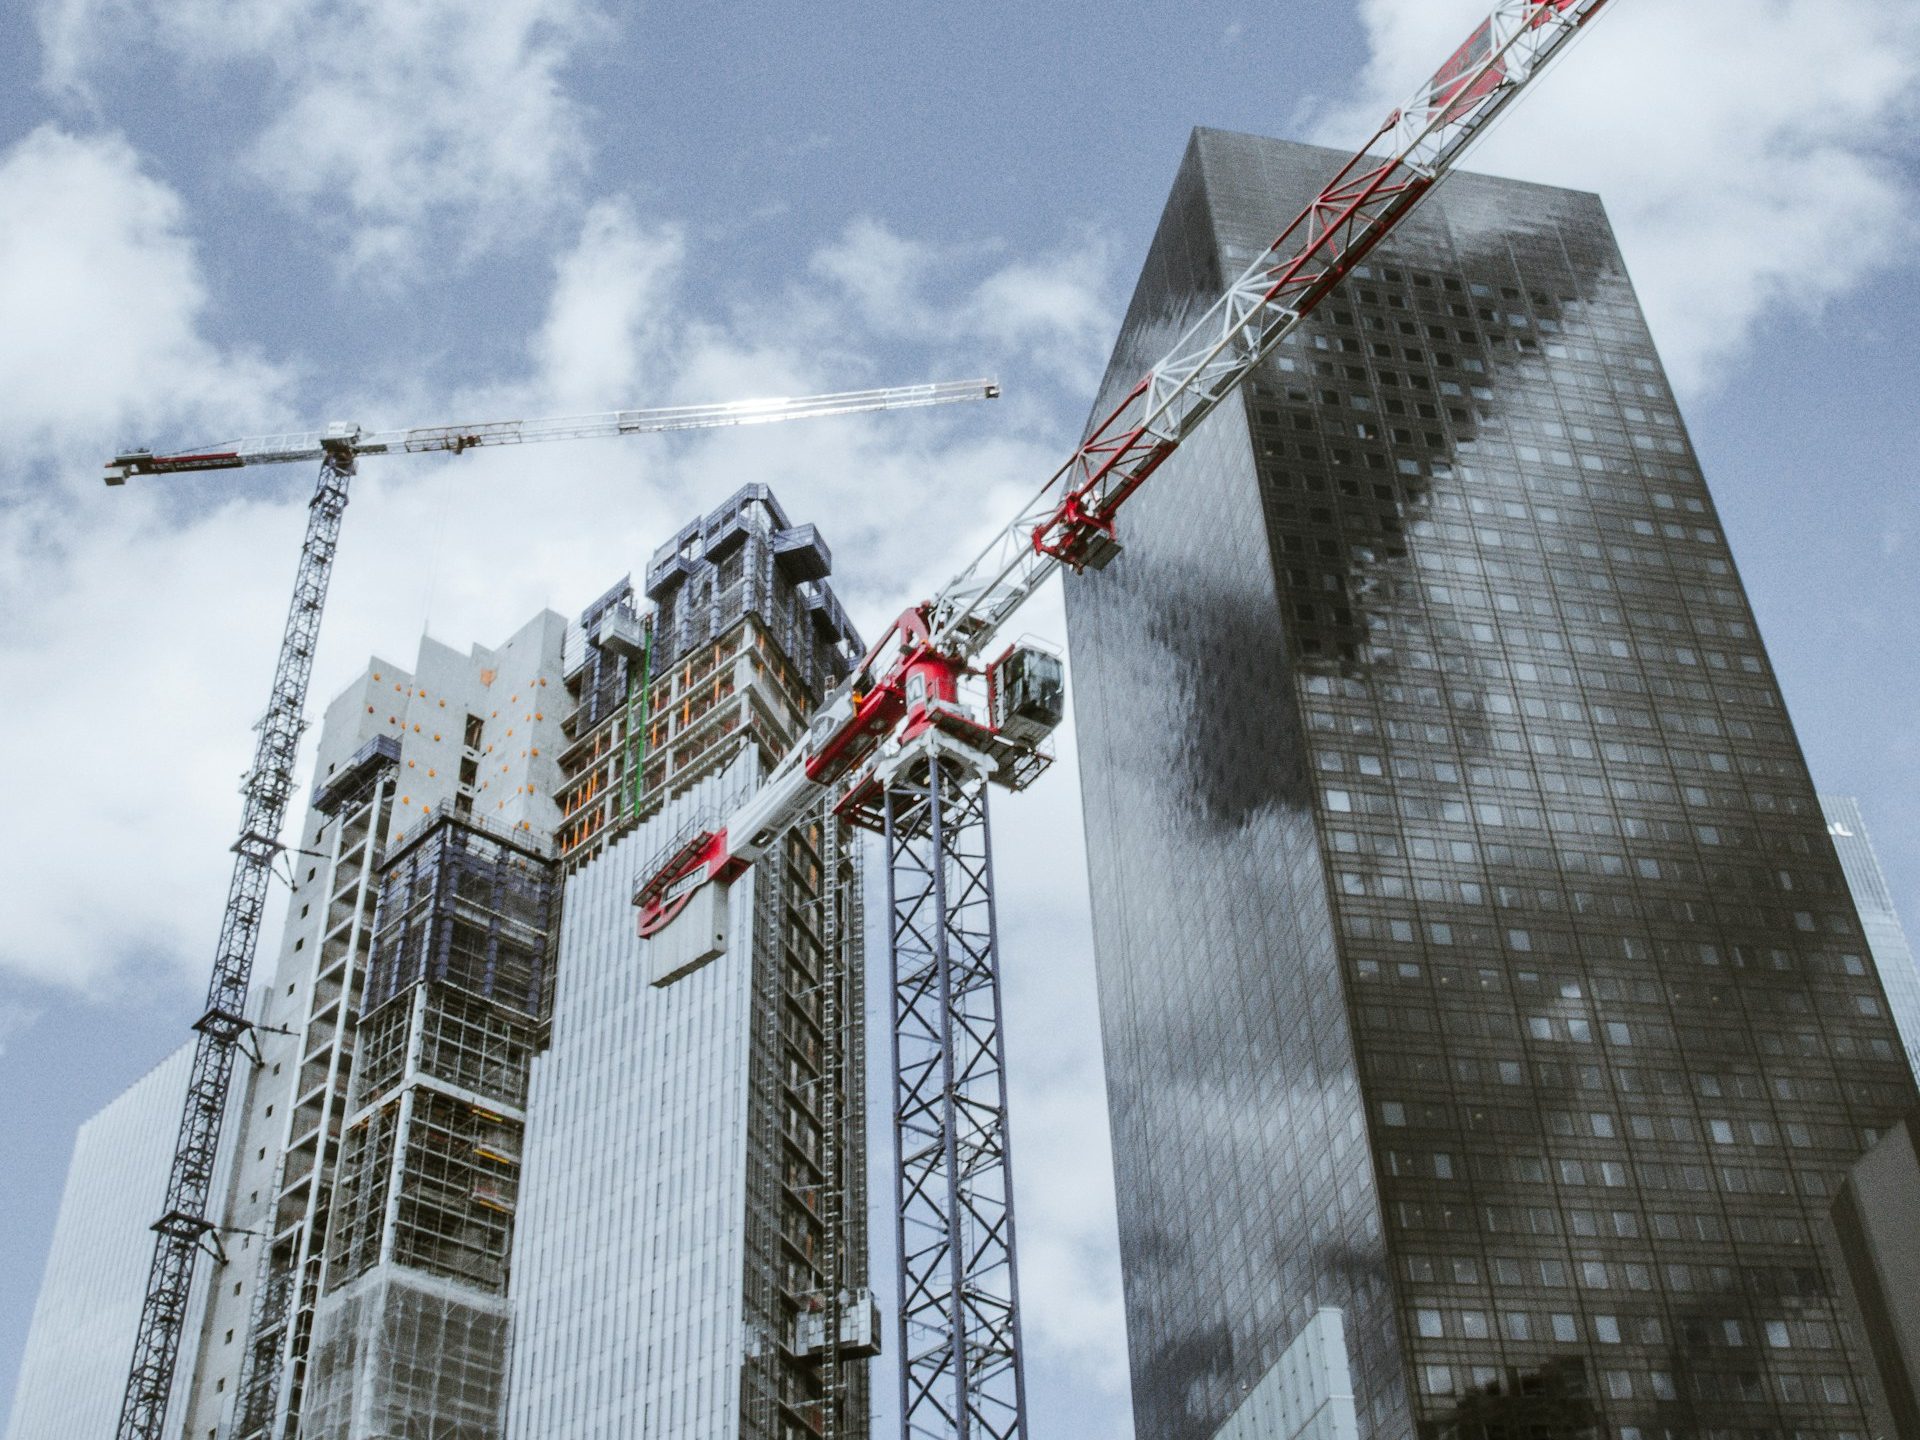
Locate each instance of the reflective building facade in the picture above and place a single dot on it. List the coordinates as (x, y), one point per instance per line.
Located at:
(1879, 921)
(1472, 957)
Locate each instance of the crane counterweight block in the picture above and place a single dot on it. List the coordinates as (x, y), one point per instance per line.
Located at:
(689, 863)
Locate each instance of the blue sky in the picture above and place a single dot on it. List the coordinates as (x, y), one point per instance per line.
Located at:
(221, 218)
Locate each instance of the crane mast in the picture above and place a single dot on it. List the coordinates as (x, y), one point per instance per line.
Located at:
(899, 748)
(184, 1228)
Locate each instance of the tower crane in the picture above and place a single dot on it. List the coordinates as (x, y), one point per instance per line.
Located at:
(907, 744)
(184, 1228)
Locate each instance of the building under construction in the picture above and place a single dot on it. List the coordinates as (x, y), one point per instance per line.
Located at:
(694, 1195)
(477, 1147)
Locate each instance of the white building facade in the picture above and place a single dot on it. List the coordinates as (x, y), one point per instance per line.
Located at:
(96, 1275)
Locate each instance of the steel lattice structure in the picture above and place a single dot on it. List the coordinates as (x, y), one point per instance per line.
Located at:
(959, 1313)
(181, 1229)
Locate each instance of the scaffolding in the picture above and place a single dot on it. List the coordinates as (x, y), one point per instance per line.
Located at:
(410, 1336)
(808, 1310)
(358, 798)
(606, 680)
(738, 635)
(469, 909)
(840, 1323)
(405, 1355)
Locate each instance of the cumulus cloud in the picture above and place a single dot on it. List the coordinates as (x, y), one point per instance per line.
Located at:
(388, 123)
(105, 303)
(1052, 309)
(106, 339)
(1752, 153)
(604, 322)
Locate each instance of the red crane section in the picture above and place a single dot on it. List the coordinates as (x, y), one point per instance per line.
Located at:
(911, 681)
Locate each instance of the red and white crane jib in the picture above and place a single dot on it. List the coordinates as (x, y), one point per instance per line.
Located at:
(453, 439)
(1071, 521)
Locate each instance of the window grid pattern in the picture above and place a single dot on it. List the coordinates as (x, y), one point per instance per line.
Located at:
(1599, 965)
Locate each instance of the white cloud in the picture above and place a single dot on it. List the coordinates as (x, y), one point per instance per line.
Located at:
(1054, 308)
(379, 121)
(104, 303)
(1050, 311)
(1752, 153)
(106, 340)
(883, 274)
(604, 322)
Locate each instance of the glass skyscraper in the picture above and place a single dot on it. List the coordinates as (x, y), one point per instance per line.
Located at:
(1472, 956)
(96, 1269)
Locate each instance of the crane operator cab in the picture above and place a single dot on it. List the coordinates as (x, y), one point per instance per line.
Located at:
(1026, 694)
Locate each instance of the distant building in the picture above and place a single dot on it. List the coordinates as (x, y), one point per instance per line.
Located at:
(478, 1147)
(1472, 958)
(96, 1275)
(1876, 1218)
(1886, 941)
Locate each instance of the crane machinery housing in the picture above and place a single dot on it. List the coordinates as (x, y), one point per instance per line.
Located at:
(908, 743)
(185, 1228)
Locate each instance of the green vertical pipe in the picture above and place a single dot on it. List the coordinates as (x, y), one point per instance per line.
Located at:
(637, 737)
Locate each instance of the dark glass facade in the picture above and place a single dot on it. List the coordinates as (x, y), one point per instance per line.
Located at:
(1472, 954)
